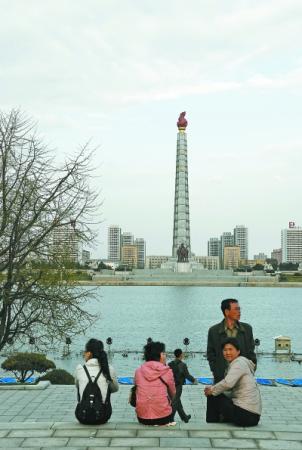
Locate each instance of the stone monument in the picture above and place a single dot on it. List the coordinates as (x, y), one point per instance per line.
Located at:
(181, 260)
(181, 224)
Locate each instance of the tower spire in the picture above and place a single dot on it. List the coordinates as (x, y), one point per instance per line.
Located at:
(181, 225)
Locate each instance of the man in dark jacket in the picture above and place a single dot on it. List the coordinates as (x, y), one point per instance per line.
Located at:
(181, 373)
(229, 327)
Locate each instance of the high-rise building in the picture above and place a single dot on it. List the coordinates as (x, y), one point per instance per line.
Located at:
(214, 247)
(241, 240)
(277, 255)
(141, 252)
(226, 240)
(261, 256)
(130, 256)
(127, 238)
(181, 225)
(66, 244)
(231, 258)
(114, 243)
(291, 244)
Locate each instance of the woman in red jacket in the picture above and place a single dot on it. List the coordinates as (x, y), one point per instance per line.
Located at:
(154, 387)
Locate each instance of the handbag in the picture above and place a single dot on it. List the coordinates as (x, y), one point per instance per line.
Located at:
(132, 396)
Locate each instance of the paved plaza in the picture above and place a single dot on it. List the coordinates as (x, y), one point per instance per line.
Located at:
(44, 420)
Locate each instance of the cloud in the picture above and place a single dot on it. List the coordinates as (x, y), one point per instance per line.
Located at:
(121, 53)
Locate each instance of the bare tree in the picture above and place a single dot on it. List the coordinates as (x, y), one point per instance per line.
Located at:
(36, 197)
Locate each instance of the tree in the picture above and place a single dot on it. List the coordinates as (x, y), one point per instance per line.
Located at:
(258, 267)
(37, 197)
(23, 365)
(273, 262)
(288, 266)
(103, 266)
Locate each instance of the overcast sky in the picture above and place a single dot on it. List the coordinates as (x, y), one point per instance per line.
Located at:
(121, 71)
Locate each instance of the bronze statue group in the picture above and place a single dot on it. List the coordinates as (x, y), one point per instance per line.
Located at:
(234, 396)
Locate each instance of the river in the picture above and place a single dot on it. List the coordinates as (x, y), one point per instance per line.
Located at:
(131, 314)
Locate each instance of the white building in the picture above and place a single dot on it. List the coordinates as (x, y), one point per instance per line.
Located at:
(208, 262)
(155, 261)
(114, 243)
(241, 240)
(291, 244)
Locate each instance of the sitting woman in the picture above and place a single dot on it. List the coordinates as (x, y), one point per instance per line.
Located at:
(154, 387)
(95, 381)
(243, 405)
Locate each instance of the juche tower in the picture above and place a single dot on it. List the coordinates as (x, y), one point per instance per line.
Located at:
(181, 226)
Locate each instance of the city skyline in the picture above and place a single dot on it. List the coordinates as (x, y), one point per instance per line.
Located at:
(120, 72)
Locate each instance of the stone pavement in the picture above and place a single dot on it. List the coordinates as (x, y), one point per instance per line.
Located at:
(45, 420)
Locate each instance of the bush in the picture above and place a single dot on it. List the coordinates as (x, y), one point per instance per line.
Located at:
(58, 376)
(23, 365)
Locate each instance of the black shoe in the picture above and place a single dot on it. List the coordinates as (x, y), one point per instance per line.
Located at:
(186, 420)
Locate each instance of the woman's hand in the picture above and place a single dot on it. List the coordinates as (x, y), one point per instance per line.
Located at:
(207, 391)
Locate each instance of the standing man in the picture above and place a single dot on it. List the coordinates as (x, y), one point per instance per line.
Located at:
(181, 373)
(229, 327)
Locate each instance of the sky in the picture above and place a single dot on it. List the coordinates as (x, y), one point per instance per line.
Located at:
(119, 72)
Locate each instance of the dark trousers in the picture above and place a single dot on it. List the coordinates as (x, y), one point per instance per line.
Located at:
(222, 409)
(177, 405)
(159, 421)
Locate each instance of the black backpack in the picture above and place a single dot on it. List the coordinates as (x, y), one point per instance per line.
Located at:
(91, 410)
(176, 372)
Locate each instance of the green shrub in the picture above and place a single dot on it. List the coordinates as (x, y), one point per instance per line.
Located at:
(23, 365)
(58, 376)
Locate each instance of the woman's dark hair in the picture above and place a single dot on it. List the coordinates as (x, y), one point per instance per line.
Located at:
(152, 351)
(226, 304)
(96, 348)
(232, 341)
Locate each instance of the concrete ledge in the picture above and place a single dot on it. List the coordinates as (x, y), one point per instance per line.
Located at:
(25, 387)
(73, 436)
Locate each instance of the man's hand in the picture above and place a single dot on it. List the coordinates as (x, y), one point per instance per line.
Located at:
(207, 391)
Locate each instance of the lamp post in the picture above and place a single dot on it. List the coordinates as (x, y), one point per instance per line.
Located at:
(257, 344)
(32, 342)
(186, 342)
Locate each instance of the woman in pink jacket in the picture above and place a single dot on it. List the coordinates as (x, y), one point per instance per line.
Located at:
(154, 387)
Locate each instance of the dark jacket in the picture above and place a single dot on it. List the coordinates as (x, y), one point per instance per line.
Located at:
(217, 335)
(180, 372)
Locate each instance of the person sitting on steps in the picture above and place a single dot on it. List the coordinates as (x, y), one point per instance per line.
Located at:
(154, 387)
(95, 370)
(243, 407)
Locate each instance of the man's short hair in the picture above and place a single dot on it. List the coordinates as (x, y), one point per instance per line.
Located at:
(226, 304)
(177, 352)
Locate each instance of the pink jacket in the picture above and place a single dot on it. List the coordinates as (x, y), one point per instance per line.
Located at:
(152, 400)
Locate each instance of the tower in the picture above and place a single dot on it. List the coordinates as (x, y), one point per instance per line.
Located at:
(181, 225)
